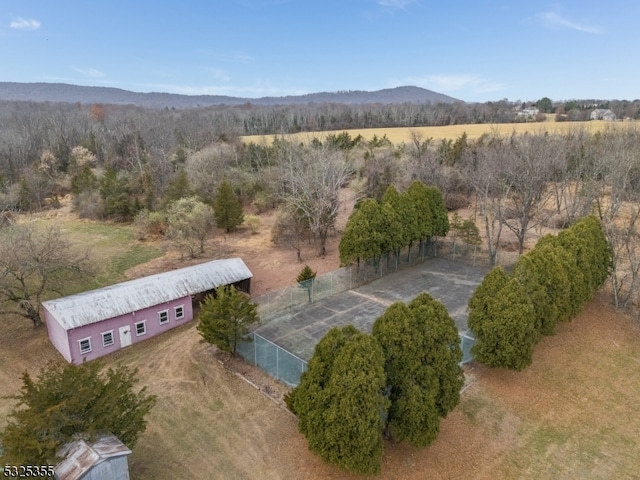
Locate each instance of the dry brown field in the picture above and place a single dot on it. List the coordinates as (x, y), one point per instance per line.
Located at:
(403, 134)
(572, 414)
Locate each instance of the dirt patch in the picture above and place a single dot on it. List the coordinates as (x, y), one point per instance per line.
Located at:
(273, 266)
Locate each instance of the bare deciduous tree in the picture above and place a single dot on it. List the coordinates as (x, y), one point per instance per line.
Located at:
(290, 229)
(618, 207)
(34, 264)
(312, 179)
(528, 171)
(484, 168)
(575, 183)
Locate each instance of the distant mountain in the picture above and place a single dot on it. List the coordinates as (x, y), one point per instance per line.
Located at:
(60, 92)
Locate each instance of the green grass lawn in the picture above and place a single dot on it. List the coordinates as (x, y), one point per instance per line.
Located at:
(112, 248)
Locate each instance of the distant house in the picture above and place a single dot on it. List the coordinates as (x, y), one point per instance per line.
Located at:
(104, 459)
(95, 323)
(529, 112)
(602, 114)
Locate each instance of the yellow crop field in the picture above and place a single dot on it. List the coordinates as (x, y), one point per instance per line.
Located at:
(400, 135)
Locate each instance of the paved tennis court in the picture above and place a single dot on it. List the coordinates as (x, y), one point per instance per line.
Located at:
(299, 330)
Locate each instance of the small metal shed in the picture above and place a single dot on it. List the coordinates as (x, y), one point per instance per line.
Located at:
(104, 459)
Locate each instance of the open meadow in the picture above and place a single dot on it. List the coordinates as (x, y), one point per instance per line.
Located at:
(572, 414)
(400, 135)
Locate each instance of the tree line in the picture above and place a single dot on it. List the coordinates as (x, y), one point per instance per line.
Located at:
(398, 220)
(510, 313)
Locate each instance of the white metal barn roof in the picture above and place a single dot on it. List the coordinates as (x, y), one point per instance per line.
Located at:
(126, 297)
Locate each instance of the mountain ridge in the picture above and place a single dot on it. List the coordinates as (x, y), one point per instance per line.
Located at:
(68, 93)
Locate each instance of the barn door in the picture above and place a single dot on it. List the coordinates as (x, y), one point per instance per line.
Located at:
(125, 336)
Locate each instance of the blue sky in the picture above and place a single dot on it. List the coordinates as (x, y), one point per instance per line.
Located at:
(474, 50)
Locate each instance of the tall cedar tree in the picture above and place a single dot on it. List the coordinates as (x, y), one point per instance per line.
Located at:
(225, 318)
(405, 216)
(422, 353)
(68, 400)
(340, 403)
(421, 199)
(595, 251)
(441, 348)
(227, 208)
(546, 281)
(439, 216)
(116, 195)
(567, 261)
(502, 319)
(412, 385)
(363, 239)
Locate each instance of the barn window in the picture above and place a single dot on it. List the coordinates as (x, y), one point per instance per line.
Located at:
(180, 312)
(163, 316)
(141, 328)
(85, 345)
(107, 338)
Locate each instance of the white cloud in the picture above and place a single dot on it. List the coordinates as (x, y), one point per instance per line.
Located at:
(89, 72)
(554, 20)
(20, 23)
(397, 4)
(444, 83)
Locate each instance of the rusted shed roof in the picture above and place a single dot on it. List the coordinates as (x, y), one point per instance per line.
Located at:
(80, 456)
(126, 297)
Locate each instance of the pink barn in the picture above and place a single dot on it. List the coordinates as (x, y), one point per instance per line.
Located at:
(98, 322)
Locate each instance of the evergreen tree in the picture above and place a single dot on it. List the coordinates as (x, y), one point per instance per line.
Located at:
(353, 420)
(339, 401)
(580, 260)
(412, 385)
(390, 228)
(441, 349)
(544, 278)
(567, 260)
(595, 251)
(305, 279)
(440, 218)
(363, 238)
(227, 208)
(465, 229)
(178, 188)
(69, 400)
(422, 352)
(503, 324)
(225, 318)
(421, 200)
(406, 216)
(84, 181)
(491, 284)
(116, 196)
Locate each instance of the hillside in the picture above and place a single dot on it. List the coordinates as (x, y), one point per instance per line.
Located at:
(60, 92)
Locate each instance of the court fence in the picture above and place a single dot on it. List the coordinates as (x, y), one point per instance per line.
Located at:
(271, 304)
(287, 367)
